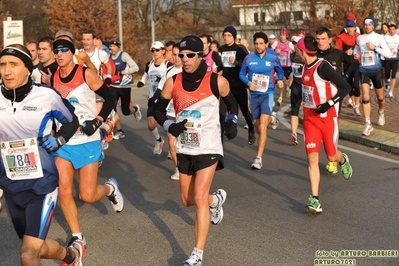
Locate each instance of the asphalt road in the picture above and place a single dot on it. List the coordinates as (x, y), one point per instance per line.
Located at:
(264, 220)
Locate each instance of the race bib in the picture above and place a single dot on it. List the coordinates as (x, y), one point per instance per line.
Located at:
(21, 159)
(154, 81)
(394, 52)
(368, 58)
(191, 138)
(296, 70)
(283, 59)
(307, 97)
(262, 81)
(226, 58)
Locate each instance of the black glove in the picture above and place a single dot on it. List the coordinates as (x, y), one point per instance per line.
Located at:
(322, 108)
(230, 127)
(140, 84)
(90, 126)
(108, 81)
(177, 128)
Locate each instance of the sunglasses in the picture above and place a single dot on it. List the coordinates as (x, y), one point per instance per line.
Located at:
(155, 50)
(63, 50)
(189, 55)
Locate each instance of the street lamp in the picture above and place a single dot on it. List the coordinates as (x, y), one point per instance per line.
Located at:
(120, 23)
(152, 22)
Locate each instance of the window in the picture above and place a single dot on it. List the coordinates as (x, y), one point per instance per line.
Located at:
(256, 17)
(285, 16)
(327, 13)
(298, 15)
(263, 17)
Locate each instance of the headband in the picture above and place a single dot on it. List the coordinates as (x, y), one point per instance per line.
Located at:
(60, 43)
(301, 46)
(25, 57)
(369, 20)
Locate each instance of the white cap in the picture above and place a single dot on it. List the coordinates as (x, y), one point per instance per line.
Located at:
(293, 38)
(238, 36)
(272, 36)
(157, 45)
(296, 39)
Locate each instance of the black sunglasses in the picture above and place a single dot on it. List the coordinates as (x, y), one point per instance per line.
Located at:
(189, 55)
(63, 50)
(155, 50)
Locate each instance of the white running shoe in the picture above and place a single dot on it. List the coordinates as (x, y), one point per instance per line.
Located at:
(79, 250)
(116, 197)
(367, 129)
(381, 119)
(350, 102)
(279, 102)
(246, 126)
(217, 212)
(169, 156)
(175, 176)
(158, 147)
(356, 110)
(193, 260)
(257, 164)
(119, 135)
(275, 121)
(137, 115)
(390, 95)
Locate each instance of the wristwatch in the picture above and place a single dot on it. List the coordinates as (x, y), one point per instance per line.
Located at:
(60, 140)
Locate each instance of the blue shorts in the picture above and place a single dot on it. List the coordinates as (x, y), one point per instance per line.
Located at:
(261, 104)
(31, 214)
(82, 154)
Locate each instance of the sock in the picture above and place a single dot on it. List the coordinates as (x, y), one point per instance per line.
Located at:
(156, 134)
(78, 235)
(381, 111)
(215, 201)
(343, 162)
(69, 257)
(111, 189)
(368, 121)
(121, 130)
(199, 252)
(135, 108)
(315, 197)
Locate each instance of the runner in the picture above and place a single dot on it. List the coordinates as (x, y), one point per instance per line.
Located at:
(31, 189)
(369, 48)
(197, 131)
(121, 89)
(322, 89)
(47, 65)
(154, 70)
(391, 64)
(78, 85)
(257, 72)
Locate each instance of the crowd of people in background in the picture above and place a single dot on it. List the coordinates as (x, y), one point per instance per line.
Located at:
(196, 87)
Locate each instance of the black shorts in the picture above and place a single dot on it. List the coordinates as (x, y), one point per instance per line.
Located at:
(375, 77)
(296, 98)
(287, 72)
(31, 214)
(190, 164)
(391, 67)
(150, 111)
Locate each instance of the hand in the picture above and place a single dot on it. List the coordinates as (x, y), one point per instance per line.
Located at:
(49, 143)
(177, 128)
(140, 84)
(108, 81)
(322, 108)
(90, 126)
(230, 127)
(280, 84)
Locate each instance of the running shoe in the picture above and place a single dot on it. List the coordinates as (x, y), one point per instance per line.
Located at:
(246, 126)
(371, 86)
(356, 110)
(350, 103)
(193, 260)
(116, 197)
(73, 239)
(314, 206)
(275, 121)
(169, 156)
(257, 164)
(332, 168)
(390, 95)
(251, 137)
(119, 135)
(367, 129)
(175, 176)
(279, 102)
(388, 85)
(79, 250)
(109, 134)
(346, 168)
(104, 145)
(217, 212)
(137, 115)
(293, 139)
(158, 147)
(381, 118)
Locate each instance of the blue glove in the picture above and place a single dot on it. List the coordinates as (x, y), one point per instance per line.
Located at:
(49, 143)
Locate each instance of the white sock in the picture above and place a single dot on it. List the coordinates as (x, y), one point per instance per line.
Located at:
(78, 235)
(156, 134)
(215, 201)
(199, 252)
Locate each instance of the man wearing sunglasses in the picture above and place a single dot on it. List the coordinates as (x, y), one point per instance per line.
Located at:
(154, 70)
(82, 153)
(195, 93)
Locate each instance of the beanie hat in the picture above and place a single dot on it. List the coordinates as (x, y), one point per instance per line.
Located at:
(192, 43)
(351, 17)
(60, 43)
(25, 57)
(350, 23)
(116, 42)
(231, 30)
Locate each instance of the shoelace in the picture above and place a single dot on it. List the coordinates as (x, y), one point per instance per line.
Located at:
(112, 196)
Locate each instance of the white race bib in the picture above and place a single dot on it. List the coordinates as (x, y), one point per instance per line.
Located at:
(226, 58)
(368, 58)
(307, 97)
(262, 81)
(21, 159)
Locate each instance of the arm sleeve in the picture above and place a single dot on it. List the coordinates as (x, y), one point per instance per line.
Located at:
(160, 110)
(327, 72)
(65, 114)
(383, 49)
(218, 61)
(144, 78)
(132, 66)
(278, 68)
(231, 103)
(109, 101)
